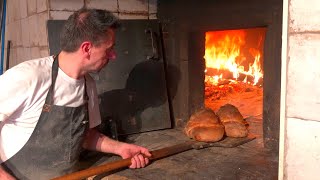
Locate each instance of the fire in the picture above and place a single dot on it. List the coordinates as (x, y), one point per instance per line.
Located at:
(224, 57)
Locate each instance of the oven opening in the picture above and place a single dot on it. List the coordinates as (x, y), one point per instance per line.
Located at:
(234, 70)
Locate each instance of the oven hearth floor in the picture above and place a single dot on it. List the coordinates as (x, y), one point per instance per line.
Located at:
(247, 161)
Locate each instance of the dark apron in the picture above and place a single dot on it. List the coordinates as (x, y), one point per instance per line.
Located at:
(55, 144)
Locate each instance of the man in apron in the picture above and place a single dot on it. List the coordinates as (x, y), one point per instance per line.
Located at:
(49, 106)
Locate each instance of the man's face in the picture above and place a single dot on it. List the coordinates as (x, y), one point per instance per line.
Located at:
(100, 55)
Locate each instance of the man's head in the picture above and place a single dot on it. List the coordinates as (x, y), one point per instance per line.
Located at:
(86, 25)
(90, 34)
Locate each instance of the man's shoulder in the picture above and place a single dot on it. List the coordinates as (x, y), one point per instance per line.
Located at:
(34, 66)
(31, 70)
(45, 62)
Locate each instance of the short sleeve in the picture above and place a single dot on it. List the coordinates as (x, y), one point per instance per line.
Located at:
(14, 87)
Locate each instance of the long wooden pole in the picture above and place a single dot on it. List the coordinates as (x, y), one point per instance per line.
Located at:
(108, 167)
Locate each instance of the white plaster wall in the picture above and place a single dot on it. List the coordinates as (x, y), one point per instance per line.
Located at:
(301, 132)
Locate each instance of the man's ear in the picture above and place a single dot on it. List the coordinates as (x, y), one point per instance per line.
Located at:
(86, 48)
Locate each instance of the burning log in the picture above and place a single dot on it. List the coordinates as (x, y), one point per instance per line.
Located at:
(228, 75)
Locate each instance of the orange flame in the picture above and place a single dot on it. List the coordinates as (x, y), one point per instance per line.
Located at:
(223, 52)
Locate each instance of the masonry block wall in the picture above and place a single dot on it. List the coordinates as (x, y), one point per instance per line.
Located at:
(26, 29)
(302, 126)
(26, 21)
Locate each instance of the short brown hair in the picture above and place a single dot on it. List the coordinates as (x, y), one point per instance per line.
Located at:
(86, 25)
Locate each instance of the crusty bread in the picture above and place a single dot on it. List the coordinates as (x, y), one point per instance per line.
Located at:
(204, 125)
(231, 118)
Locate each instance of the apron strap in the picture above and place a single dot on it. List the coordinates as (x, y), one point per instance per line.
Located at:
(54, 74)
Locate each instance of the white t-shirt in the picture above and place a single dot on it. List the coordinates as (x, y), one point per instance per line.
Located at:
(23, 90)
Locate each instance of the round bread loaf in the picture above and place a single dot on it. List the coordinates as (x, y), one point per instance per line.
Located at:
(231, 118)
(204, 125)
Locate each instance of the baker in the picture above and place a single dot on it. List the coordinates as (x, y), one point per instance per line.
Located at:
(49, 106)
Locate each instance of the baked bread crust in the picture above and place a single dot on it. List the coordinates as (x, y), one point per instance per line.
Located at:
(204, 125)
(231, 118)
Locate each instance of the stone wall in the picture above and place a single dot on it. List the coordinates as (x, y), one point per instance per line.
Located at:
(301, 125)
(26, 23)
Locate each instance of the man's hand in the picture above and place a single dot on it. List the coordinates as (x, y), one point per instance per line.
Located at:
(4, 175)
(139, 155)
(96, 141)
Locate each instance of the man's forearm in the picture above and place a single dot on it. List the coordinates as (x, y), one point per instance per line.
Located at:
(97, 141)
(4, 175)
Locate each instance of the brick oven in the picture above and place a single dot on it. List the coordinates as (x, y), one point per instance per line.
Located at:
(171, 83)
(185, 26)
(148, 94)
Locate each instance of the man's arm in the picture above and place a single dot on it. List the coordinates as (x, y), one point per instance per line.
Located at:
(4, 175)
(15, 84)
(94, 140)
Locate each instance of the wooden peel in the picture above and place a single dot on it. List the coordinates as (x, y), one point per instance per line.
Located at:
(228, 142)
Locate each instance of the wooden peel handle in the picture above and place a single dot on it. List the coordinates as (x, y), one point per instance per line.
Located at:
(96, 170)
(157, 154)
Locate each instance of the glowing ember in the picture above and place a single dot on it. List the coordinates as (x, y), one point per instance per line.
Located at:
(225, 57)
